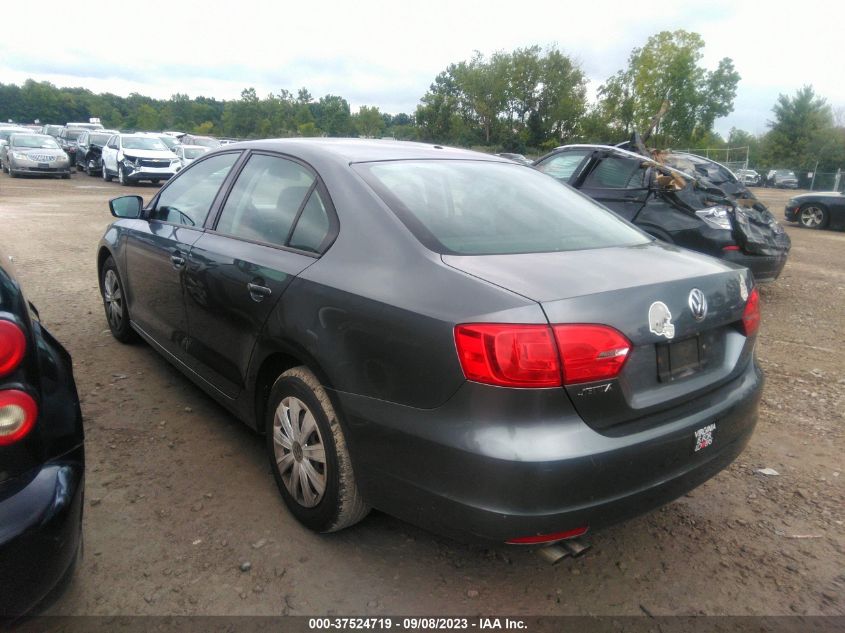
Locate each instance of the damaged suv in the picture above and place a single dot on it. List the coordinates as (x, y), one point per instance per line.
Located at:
(676, 207)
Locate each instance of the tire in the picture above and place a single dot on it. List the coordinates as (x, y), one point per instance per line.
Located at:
(121, 176)
(88, 168)
(65, 176)
(114, 303)
(300, 404)
(813, 216)
(106, 175)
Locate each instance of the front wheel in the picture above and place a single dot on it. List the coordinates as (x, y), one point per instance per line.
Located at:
(813, 216)
(114, 302)
(121, 176)
(106, 175)
(309, 456)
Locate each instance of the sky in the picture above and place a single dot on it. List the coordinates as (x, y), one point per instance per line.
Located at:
(386, 54)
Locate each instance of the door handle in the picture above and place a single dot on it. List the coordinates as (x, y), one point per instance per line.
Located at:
(177, 260)
(258, 292)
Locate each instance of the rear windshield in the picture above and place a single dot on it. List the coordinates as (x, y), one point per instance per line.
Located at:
(487, 208)
(72, 135)
(99, 139)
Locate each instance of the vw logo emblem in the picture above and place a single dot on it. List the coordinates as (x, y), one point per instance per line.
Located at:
(697, 304)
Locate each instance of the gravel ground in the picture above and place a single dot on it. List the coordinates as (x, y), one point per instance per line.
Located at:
(180, 500)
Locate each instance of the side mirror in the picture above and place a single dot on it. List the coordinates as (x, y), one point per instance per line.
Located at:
(126, 207)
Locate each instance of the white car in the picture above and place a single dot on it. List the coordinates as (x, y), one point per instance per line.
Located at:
(187, 154)
(134, 157)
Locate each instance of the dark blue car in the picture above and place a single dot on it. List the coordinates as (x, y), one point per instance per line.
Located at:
(42, 460)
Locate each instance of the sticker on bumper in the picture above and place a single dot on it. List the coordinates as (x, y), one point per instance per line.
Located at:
(704, 437)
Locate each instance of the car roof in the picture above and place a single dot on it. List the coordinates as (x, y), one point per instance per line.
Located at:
(353, 150)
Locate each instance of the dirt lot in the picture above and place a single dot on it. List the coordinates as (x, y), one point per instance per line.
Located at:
(179, 494)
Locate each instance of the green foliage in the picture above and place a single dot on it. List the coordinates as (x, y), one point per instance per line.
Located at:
(369, 122)
(803, 133)
(511, 100)
(668, 68)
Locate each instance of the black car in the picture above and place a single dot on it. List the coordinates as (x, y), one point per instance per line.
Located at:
(817, 210)
(67, 139)
(674, 206)
(42, 459)
(89, 150)
(444, 335)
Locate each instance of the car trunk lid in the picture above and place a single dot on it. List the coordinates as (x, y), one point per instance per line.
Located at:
(644, 292)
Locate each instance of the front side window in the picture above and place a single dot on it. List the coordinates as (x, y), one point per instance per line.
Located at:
(266, 199)
(188, 198)
(563, 165)
(479, 207)
(615, 173)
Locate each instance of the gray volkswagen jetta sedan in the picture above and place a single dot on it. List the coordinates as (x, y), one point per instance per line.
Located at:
(457, 340)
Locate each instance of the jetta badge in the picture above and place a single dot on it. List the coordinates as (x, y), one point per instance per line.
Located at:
(697, 304)
(660, 320)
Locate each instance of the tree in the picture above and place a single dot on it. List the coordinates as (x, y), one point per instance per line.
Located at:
(669, 67)
(802, 131)
(333, 116)
(369, 121)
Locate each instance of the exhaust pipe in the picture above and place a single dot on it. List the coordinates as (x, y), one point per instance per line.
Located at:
(553, 554)
(575, 547)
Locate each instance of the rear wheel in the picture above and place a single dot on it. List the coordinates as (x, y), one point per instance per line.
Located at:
(308, 454)
(813, 216)
(114, 302)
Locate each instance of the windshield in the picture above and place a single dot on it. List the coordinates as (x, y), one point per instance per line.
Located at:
(786, 173)
(169, 141)
(72, 135)
(195, 152)
(53, 130)
(143, 142)
(36, 141)
(480, 207)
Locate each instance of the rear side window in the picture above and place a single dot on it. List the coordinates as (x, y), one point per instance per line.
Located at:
(266, 200)
(479, 207)
(563, 165)
(615, 173)
(313, 226)
(189, 197)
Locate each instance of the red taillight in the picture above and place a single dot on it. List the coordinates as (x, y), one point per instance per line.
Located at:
(12, 346)
(590, 352)
(548, 538)
(530, 355)
(17, 415)
(732, 247)
(751, 314)
(508, 355)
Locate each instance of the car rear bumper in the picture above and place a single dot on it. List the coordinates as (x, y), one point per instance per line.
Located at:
(474, 471)
(40, 531)
(765, 268)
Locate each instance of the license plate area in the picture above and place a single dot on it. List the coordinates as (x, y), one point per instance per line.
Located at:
(44, 165)
(679, 359)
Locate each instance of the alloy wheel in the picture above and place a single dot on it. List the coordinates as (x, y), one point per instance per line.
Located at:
(113, 296)
(812, 217)
(300, 452)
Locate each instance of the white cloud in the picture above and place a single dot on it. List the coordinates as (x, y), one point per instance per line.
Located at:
(383, 53)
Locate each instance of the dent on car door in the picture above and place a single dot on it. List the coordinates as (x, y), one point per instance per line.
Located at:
(273, 225)
(157, 251)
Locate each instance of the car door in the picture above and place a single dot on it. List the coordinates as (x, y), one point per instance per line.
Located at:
(274, 223)
(620, 183)
(157, 251)
(110, 154)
